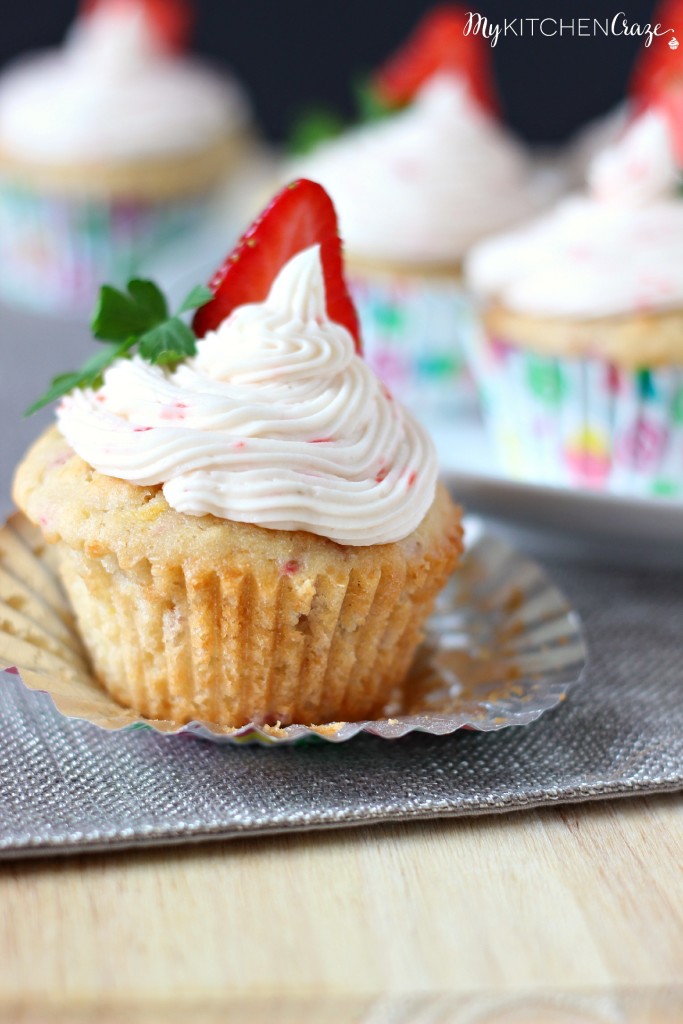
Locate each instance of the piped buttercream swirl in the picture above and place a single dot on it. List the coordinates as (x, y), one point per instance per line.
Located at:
(276, 422)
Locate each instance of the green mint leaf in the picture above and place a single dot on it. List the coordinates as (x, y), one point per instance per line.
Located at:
(89, 375)
(123, 320)
(313, 126)
(92, 369)
(120, 315)
(150, 298)
(168, 343)
(199, 296)
(59, 387)
(370, 106)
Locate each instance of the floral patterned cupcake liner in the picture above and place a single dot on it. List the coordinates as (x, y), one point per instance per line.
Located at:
(415, 332)
(582, 422)
(55, 251)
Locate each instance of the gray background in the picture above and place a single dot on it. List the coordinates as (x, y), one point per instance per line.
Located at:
(32, 350)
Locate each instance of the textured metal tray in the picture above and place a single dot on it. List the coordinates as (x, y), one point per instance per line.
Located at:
(68, 786)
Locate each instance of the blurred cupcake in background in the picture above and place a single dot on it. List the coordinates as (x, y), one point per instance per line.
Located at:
(581, 368)
(110, 147)
(414, 189)
(655, 66)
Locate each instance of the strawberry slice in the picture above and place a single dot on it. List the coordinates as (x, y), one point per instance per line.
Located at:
(438, 44)
(660, 65)
(171, 20)
(299, 216)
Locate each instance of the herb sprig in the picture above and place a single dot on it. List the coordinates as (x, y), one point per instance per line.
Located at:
(137, 319)
(320, 123)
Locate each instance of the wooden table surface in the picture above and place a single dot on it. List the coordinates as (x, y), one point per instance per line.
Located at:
(568, 914)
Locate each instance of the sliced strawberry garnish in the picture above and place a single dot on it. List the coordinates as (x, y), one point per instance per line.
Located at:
(299, 216)
(171, 20)
(438, 44)
(660, 65)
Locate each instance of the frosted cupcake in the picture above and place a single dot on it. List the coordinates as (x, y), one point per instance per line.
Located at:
(254, 531)
(110, 147)
(414, 191)
(582, 368)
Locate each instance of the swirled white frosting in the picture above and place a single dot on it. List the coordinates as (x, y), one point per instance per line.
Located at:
(424, 184)
(276, 421)
(615, 250)
(111, 94)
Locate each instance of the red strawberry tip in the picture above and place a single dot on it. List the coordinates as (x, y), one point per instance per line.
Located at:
(438, 44)
(171, 20)
(299, 216)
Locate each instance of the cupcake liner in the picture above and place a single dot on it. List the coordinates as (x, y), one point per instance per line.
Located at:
(502, 646)
(582, 422)
(199, 616)
(55, 251)
(225, 644)
(415, 331)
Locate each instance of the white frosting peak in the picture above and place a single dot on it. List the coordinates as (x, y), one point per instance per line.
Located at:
(299, 288)
(111, 39)
(425, 183)
(110, 93)
(276, 421)
(640, 167)
(615, 250)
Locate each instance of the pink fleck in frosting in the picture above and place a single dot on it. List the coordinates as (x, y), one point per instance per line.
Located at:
(276, 421)
(616, 250)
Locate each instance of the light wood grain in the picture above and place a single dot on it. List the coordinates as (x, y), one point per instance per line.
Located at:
(581, 903)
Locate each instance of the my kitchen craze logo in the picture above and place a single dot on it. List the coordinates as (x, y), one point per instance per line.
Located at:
(619, 25)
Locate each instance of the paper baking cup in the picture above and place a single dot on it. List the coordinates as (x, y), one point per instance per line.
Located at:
(502, 647)
(56, 251)
(415, 328)
(582, 422)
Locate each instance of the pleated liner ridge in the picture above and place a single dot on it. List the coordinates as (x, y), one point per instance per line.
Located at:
(235, 645)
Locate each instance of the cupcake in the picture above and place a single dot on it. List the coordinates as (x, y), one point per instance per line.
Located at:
(581, 360)
(249, 527)
(414, 190)
(110, 147)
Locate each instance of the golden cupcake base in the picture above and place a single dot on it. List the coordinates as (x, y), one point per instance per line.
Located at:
(501, 647)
